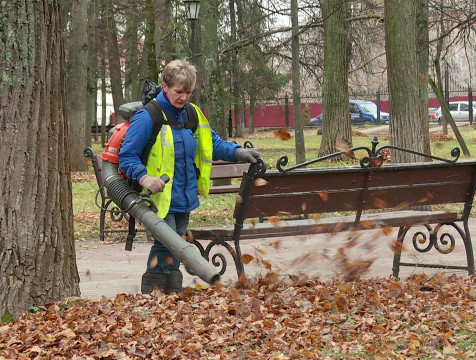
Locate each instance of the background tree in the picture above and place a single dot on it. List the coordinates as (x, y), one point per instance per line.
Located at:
(423, 60)
(37, 254)
(92, 85)
(163, 33)
(406, 128)
(78, 84)
(299, 135)
(336, 127)
(234, 72)
(132, 85)
(113, 55)
(214, 92)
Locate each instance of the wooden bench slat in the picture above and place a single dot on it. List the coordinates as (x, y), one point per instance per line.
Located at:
(324, 225)
(225, 170)
(224, 189)
(346, 199)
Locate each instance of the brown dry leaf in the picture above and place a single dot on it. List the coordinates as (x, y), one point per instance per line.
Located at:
(153, 262)
(283, 134)
(169, 260)
(366, 224)
(260, 182)
(376, 162)
(379, 203)
(277, 244)
(316, 217)
(247, 258)
(266, 264)
(253, 223)
(261, 251)
(344, 146)
(387, 230)
(275, 221)
(201, 191)
(283, 213)
(429, 196)
(397, 246)
(402, 206)
(349, 206)
(323, 195)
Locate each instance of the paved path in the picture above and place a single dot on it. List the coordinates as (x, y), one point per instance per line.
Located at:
(106, 269)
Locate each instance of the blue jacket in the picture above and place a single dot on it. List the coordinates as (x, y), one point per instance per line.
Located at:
(184, 188)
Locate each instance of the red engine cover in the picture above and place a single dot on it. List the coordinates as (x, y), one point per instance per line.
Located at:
(113, 146)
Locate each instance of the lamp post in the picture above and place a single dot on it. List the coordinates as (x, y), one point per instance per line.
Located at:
(193, 8)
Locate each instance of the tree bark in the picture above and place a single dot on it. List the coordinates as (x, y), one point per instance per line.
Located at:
(91, 111)
(131, 41)
(296, 76)
(423, 59)
(403, 84)
(234, 73)
(148, 67)
(37, 254)
(163, 33)
(214, 90)
(336, 127)
(114, 57)
(78, 84)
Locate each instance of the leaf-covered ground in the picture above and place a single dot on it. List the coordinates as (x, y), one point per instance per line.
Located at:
(272, 318)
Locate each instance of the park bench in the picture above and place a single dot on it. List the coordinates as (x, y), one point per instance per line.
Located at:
(221, 170)
(377, 195)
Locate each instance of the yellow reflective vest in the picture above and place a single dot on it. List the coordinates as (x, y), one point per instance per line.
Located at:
(161, 160)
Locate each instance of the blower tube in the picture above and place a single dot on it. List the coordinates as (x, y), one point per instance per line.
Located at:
(127, 199)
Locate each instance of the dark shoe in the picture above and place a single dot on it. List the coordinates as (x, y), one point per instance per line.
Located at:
(151, 281)
(174, 282)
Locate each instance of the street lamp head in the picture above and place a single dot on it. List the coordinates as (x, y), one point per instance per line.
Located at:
(193, 8)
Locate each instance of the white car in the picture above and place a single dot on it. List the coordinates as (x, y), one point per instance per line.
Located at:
(459, 110)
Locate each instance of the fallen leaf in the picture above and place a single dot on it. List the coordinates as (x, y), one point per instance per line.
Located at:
(323, 195)
(247, 258)
(275, 221)
(283, 134)
(260, 182)
(153, 262)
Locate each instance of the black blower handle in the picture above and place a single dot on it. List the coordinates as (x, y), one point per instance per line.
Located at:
(165, 178)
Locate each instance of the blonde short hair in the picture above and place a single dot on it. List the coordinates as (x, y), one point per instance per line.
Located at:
(180, 72)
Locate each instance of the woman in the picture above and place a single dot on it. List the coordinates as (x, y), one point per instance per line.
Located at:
(184, 150)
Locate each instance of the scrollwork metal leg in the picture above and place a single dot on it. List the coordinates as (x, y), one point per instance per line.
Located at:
(444, 243)
(402, 231)
(102, 220)
(469, 249)
(217, 259)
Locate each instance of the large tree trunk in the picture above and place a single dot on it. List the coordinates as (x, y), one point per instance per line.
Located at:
(336, 127)
(148, 66)
(234, 73)
(214, 89)
(37, 254)
(131, 41)
(423, 59)
(78, 84)
(114, 57)
(163, 33)
(91, 111)
(402, 72)
(296, 76)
